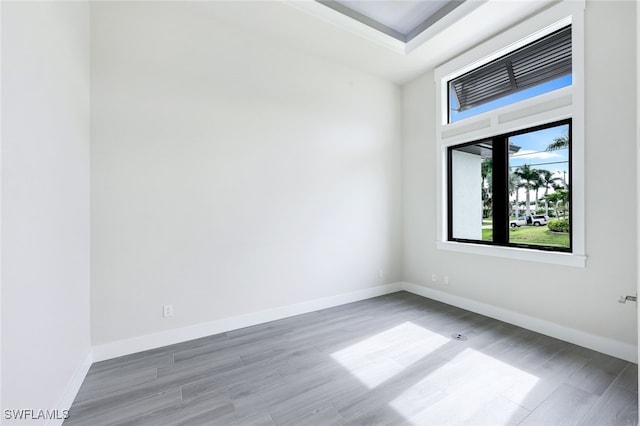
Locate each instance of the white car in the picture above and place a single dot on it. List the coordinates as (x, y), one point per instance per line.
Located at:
(538, 219)
(518, 222)
(535, 220)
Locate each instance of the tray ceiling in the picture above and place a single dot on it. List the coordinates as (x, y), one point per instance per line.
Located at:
(402, 20)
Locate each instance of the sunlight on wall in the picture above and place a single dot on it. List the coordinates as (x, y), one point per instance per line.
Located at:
(472, 387)
(380, 357)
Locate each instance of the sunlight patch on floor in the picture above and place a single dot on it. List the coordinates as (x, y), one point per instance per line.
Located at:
(469, 388)
(380, 357)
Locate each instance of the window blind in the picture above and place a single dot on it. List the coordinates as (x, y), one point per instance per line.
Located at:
(543, 60)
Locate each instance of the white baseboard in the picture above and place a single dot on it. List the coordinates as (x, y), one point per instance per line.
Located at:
(150, 341)
(597, 343)
(72, 388)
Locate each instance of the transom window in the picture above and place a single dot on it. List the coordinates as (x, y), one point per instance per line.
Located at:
(538, 67)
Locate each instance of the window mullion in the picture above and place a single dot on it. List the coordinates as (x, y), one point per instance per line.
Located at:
(500, 176)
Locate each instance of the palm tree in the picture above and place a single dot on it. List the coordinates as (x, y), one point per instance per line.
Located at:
(561, 179)
(560, 197)
(545, 182)
(559, 143)
(487, 185)
(528, 177)
(564, 198)
(514, 187)
(536, 185)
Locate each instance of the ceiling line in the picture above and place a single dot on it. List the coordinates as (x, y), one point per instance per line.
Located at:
(439, 14)
(339, 7)
(377, 25)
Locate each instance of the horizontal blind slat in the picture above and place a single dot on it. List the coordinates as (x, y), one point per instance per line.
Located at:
(535, 63)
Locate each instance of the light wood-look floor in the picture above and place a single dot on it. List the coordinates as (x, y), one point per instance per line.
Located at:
(383, 361)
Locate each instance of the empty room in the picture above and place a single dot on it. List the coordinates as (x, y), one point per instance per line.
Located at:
(300, 212)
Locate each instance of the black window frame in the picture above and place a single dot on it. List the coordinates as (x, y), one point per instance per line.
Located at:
(500, 183)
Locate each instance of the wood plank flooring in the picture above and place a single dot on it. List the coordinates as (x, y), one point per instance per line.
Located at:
(390, 360)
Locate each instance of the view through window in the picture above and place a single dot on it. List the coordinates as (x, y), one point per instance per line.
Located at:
(513, 189)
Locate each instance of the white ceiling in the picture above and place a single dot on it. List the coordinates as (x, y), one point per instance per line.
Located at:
(402, 16)
(321, 31)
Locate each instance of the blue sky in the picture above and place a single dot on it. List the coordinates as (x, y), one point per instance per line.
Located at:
(533, 151)
(524, 94)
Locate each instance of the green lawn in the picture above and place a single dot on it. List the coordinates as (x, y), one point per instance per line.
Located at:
(532, 235)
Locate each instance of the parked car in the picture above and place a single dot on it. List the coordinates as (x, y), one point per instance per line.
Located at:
(518, 222)
(535, 220)
(538, 219)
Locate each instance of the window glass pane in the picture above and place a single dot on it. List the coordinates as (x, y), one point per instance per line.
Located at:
(538, 67)
(472, 191)
(539, 187)
(456, 115)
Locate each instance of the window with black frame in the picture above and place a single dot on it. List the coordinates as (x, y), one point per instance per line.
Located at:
(513, 189)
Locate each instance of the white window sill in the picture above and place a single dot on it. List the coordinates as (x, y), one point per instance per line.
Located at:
(566, 259)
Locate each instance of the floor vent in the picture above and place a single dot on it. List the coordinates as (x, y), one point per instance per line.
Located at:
(459, 336)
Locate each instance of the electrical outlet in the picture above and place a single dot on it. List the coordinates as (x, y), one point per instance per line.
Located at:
(446, 280)
(167, 311)
(380, 273)
(434, 277)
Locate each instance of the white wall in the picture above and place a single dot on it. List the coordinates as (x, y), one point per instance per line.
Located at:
(581, 299)
(229, 174)
(638, 165)
(1, 132)
(45, 202)
(638, 107)
(467, 195)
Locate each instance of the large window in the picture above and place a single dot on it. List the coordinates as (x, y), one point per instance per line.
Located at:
(510, 142)
(513, 189)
